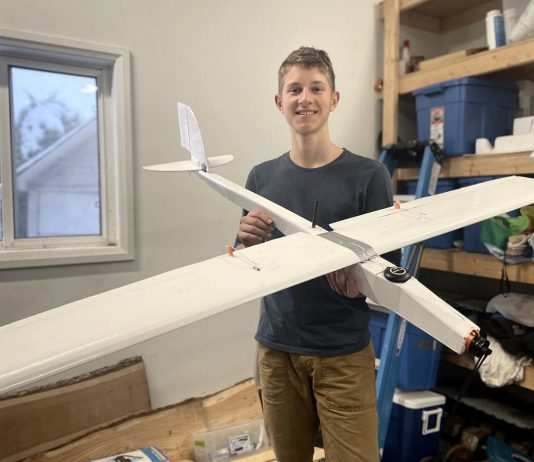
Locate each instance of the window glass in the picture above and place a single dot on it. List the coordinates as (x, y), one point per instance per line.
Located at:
(55, 154)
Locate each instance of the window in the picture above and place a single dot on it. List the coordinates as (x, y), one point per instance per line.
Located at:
(65, 160)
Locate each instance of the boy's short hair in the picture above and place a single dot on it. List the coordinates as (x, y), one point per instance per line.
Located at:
(308, 57)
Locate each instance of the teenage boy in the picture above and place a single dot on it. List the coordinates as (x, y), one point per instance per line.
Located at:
(316, 361)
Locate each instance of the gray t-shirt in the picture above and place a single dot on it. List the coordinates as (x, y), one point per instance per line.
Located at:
(310, 318)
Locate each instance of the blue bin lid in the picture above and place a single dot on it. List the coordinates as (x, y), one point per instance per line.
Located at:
(441, 86)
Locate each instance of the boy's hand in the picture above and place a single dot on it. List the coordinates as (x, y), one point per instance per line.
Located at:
(343, 283)
(255, 228)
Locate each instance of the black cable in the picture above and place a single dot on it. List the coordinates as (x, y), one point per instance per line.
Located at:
(468, 381)
(504, 284)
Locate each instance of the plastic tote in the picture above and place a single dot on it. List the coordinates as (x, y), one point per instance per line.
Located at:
(414, 426)
(457, 112)
(419, 358)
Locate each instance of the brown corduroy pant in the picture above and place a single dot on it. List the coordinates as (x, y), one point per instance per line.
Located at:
(301, 393)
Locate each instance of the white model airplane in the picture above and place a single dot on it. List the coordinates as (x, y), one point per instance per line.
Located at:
(58, 339)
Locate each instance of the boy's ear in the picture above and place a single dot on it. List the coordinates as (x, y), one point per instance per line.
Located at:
(334, 101)
(278, 102)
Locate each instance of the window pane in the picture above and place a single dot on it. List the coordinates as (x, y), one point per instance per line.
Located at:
(55, 155)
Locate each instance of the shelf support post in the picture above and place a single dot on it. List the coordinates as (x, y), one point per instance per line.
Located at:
(391, 71)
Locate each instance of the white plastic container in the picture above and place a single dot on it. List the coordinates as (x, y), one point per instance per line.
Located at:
(405, 59)
(512, 11)
(524, 28)
(495, 29)
(230, 443)
(525, 98)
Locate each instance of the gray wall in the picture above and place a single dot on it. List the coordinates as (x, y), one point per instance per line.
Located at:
(221, 58)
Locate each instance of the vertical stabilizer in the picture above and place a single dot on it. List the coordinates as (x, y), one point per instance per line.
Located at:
(190, 136)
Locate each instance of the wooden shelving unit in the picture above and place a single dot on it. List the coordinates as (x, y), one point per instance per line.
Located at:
(511, 62)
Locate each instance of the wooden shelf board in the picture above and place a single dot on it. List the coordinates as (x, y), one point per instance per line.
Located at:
(475, 264)
(505, 58)
(439, 8)
(519, 163)
(437, 15)
(466, 361)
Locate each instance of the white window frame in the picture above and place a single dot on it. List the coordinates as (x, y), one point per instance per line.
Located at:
(111, 66)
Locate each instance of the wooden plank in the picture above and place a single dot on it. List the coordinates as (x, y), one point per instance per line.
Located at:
(466, 361)
(44, 419)
(440, 61)
(268, 456)
(444, 9)
(404, 5)
(414, 19)
(475, 264)
(391, 72)
(469, 15)
(220, 409)
(410, 4)
(502, 58)
(170, 428)
(420, 21)
(520, 163)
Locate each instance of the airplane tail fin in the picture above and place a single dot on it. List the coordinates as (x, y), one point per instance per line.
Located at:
(190, 139)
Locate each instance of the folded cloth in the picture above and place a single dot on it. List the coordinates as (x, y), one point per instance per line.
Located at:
(500, 368)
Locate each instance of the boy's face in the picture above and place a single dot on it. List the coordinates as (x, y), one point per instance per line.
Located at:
(306, 99)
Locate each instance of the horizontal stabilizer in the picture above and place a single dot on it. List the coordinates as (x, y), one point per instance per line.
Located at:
(189, 165)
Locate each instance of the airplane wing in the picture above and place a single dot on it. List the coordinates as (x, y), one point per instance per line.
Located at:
(58, 339)
(392, 228)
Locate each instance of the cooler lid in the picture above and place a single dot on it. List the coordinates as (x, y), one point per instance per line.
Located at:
(418, 399)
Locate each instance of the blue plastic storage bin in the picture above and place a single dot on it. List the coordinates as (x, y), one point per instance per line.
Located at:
(472, 242)
(444, 241)
(457, 112)
(414, 426)
(419, 359)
